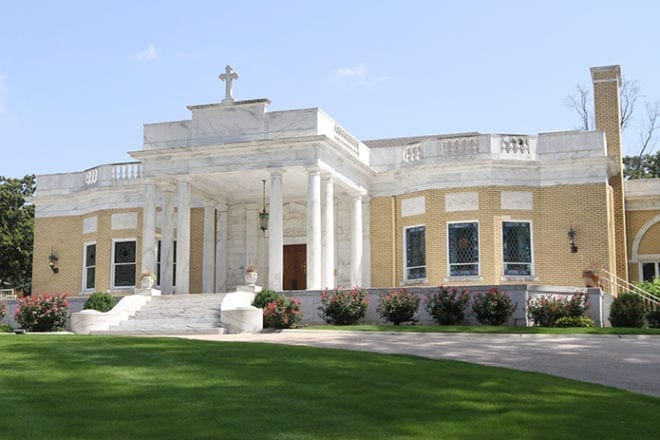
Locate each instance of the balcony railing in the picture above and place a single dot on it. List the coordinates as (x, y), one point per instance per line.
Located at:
(113, 174)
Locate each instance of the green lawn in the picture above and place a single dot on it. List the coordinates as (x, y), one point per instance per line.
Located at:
(95, 388)
(489, 329)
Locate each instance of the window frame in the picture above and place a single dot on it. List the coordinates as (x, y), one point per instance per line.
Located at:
(85, 267)
(113, 264)
(648, 259)
(476, 277)
(407, 280)
(532, 271)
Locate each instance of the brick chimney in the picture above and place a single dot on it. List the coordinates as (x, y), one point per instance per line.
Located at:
(607, 107)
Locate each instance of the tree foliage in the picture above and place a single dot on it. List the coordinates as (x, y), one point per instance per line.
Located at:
(16, 232)
(646, 166)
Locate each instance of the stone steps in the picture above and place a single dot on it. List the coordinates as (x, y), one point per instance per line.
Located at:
(173, 315)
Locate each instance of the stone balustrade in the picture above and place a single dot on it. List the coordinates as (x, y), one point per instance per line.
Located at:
(345, 138)
(113, 174)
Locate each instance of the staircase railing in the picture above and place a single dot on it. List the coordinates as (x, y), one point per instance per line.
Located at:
(620, 283)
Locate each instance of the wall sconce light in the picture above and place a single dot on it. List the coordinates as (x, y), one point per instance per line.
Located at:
(572, 233)
(52, 260)
(263, 215)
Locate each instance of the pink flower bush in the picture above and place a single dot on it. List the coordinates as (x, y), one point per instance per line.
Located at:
(398, 306)
(42, 313)
(282, 313)
(342, 307)
(493, 307)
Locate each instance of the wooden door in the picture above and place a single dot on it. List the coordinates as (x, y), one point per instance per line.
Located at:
(295, 267)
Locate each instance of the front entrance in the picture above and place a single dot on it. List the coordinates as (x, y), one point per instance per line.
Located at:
(295, 267)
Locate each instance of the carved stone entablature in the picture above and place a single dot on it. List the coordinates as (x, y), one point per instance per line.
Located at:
(412, 153)
(460, 146)
(295, 219)
(345, 138)
(515, 145)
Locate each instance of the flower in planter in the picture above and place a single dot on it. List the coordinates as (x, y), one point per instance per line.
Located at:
(147, 274)
(250, 268)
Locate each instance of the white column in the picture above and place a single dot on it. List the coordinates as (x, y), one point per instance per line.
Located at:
(356, 241)
(328, 239)
(183, 239)
(149, 228)
(208, 251)
(276, 232)
(221, 248)
(314, 229)
(166, 243)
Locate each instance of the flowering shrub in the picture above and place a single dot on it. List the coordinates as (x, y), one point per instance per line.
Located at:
(282, 313)
(101, 301)
(493, 307)
(265, 297)
(447, 306)
(341, 307)
(574, 321)
(42, 313)
(398, 306)
(3, 309)
(627, 310)
(546, 310)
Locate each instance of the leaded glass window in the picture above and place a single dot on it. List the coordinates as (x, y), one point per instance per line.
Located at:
(517, 247)
(463, 245)
(124, 263)
(90, 266)
(415, 253)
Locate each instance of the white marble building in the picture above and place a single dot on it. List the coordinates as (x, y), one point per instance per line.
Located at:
(322, 184)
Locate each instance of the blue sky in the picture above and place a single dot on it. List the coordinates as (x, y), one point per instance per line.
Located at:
(79, 78)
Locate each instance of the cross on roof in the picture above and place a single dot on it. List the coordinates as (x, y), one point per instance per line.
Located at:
(228, 77)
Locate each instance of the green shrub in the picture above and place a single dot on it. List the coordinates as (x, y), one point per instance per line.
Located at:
(3, 309)
(652, 287)
(342, 307)
(546, 310)
(101, 301)
(627, 310)
(398, 306)
(574, 321)
(266, 296)
(42, 313)
(4, 328)
(447, 306)
(653, 318)
(493, 307)
(282, 313)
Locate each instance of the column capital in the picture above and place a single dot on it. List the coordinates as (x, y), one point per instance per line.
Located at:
(327, 176)
(276, 171)
(313, 169)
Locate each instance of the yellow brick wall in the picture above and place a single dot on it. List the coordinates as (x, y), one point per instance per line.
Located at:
(606, 83)
(650, 242)
(65, 236)
(196, 249)
(556, 209)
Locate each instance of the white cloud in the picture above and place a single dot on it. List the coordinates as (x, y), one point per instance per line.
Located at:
(3, 94)
(150, 53)
(358, 74)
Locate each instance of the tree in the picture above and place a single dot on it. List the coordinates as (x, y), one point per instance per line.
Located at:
(16, 232)
(641, 164)
(646, 166)
(580, 102)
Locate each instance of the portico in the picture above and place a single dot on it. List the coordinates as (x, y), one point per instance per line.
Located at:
(216, 161)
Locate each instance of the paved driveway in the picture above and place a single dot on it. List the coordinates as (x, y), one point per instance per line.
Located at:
(628, 362)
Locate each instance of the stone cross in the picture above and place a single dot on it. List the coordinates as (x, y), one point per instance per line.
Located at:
(228, 77)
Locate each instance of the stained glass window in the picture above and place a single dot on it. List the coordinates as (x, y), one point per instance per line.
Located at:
(124, 263)
(415, 253)
(90, 266)
(463, 244)
(517, 247)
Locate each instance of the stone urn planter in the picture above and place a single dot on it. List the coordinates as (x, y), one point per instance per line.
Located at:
(251, 278)
(147, 279)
